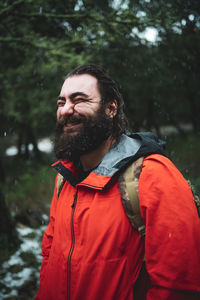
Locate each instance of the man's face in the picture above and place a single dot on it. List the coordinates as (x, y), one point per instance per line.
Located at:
(79, 98)
(82, 124)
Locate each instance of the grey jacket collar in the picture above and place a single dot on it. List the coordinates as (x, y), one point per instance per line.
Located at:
(123, 151)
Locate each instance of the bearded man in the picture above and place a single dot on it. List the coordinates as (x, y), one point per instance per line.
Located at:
(90, 249)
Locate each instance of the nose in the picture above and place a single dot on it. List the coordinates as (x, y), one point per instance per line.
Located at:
(67, 108)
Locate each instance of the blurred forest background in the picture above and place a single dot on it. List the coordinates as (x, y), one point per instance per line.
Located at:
(150, 47)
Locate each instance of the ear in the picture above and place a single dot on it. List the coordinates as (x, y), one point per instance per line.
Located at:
(111, 108)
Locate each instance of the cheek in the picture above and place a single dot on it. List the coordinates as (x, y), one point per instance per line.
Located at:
(82, 108)
(58, 115)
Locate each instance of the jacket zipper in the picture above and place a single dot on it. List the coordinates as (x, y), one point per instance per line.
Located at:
(72, 244)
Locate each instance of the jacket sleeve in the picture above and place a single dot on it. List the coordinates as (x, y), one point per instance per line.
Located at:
(48, 234)
(172, 241)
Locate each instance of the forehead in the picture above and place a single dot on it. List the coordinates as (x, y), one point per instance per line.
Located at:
(84, 83)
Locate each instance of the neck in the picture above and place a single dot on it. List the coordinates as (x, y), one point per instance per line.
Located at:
(93, 159)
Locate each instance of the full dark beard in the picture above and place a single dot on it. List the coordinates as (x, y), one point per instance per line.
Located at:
(93, 133)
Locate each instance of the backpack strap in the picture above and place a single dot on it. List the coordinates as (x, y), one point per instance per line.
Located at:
(59, 184)
(128, 185)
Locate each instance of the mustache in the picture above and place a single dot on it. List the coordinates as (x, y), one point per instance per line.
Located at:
(63, 121)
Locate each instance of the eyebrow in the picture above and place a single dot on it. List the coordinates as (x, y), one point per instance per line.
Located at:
(74, 95)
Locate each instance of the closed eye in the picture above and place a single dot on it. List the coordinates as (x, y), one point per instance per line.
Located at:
(78, 100)
(60, 103)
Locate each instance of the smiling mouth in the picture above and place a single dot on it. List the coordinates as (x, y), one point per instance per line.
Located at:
(72, 126)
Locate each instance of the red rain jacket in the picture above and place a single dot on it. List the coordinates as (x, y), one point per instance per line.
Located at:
(91, 252)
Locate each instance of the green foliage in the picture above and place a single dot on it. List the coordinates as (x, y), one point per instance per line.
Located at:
(41, 42)
(31, 189)
(6, 247)
(29, 259)
(196, 183)
(184, 152)
(8, 235)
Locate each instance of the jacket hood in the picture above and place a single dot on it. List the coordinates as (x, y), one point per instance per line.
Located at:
(129, 148)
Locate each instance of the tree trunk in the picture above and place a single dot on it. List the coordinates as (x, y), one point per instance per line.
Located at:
(26, 137)
(2, 173)
(19, 144)
(8, 235)
(194, 113)
(34, 143)
(150, 117)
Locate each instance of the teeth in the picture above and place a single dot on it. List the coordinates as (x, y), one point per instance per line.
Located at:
(71, 124)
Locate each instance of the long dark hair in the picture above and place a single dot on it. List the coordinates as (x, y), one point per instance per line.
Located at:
(109, 91)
